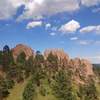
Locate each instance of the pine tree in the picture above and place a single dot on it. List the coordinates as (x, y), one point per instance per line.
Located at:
(29, 68)
(88, 91)
(29, 91)
(7, 58)
(63, 88)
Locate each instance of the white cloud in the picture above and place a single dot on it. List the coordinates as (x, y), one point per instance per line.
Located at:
(48, 25)
(36, 9)
(48, 7)
(93, 59)
(97, 42)
(52, 34)
(73, 38)
(84, 42)
(90, 29)
(8, 8)
(70, 27)
(89, 3)
(96, 10)
(34, 24)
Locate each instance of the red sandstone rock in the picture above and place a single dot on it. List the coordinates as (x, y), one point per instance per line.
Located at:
(22, 48)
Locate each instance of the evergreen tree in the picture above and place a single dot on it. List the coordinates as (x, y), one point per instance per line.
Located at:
(39, 58)
(88, 91)
(7, 58)
(29, 91)
(39, 68)
(6, 49)
(52, 65)
(52, 59)
(63, 88)
(4, 92)
(29, 66)
(1, 56)
(21, 59)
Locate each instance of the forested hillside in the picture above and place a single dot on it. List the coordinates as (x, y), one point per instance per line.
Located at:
(29, 75)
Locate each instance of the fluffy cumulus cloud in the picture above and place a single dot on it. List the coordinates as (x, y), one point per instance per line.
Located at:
(8, 8)
(70, 27)
(33, 24)
(39, 8)
(91, 29)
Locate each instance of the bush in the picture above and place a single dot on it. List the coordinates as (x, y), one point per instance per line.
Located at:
(43, 91)
(29, 91)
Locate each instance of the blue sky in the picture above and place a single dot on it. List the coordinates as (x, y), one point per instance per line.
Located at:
(73, 25)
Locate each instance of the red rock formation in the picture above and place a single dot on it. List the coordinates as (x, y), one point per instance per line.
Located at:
(22, 48)
(81, 68)
(58, 52)
(87, 66)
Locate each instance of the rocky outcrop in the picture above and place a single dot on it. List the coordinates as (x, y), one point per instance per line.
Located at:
(81, 68)
(58, 52)
(87, 66)
(22, 48)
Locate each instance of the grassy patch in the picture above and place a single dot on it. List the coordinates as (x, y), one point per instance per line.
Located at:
(17, 91)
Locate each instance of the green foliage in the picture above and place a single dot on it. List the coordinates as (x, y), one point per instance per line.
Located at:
(59, 81)
(43, 91)
(7, 60)
(1, 55)
(89, 92)
(9, 83)
(29, 91)
(4, 92)
(21, 63)
(29, 66)
(39, 58)
(53, 60)
(63, 88)
(6, 49)
(52, 64)
(21, 59)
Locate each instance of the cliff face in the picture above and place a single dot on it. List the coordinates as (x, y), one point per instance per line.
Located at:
(58, 52)
(22, 48)
(81, 68)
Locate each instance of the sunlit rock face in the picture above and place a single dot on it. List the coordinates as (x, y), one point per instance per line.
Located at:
(57, 52)
(22, 48)
(82, 69)
(88, 68)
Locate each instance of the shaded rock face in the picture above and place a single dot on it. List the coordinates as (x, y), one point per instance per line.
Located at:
(57, 52)
(22, 48)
